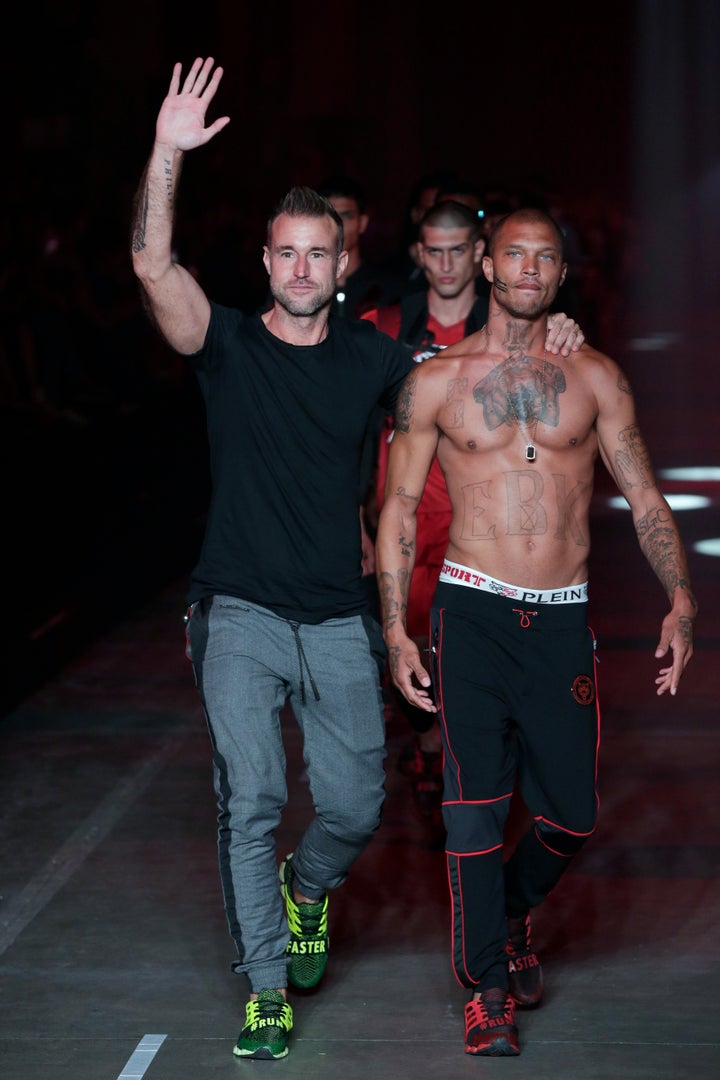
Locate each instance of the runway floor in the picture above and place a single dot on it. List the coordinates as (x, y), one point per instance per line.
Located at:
(114, 953)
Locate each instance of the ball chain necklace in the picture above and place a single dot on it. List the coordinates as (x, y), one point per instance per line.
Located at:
(530, 448)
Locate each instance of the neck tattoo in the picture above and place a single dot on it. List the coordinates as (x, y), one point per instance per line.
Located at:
(527, 403)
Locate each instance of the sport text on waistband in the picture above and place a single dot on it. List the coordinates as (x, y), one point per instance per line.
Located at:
(454, 574)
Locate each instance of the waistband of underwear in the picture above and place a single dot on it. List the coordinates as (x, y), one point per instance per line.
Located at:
(455, 574)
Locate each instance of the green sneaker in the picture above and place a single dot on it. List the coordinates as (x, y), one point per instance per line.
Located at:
(309, 939)
(268, 1021)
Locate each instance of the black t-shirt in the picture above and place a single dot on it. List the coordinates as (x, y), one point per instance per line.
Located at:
(285, 430)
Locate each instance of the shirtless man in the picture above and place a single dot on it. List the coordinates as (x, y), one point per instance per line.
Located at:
(517, 433)
(450, 246)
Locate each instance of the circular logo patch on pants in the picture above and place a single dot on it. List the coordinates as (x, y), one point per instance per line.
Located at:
(583, 690)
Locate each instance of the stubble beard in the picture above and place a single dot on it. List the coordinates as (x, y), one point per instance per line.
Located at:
(535, 306)
(299, 306)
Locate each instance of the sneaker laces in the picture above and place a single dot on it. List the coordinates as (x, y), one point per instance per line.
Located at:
(270, 1009)
(493, 1004)
(305, 919)
(519, 940)
(309, 920)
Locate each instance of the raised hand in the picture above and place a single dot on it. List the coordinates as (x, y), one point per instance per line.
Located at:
(181, 120)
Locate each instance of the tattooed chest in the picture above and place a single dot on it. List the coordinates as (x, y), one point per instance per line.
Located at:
(523, 399)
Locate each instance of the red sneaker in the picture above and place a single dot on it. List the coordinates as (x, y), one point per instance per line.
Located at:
(524, 971)
(490, 1024)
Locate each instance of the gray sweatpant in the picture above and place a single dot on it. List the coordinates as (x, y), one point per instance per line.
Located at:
(248, 662)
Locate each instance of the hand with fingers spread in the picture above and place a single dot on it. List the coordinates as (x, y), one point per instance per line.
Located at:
(180, 309)
(181, 120)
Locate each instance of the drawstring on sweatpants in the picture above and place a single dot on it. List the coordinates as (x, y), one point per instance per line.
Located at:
(302, 659)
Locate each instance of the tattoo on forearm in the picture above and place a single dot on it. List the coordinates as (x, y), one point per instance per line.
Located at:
(659, 542)
(139, 233)
(393, 608)
(403, 578)
(388, 602)
(407, 547)
(632, 461)
(405, 403)
(407, 495)
(654, 519)
(169, 183)
(394, 659)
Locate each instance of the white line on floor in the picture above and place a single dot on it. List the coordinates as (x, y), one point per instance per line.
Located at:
(23, 908)
(141, 1057)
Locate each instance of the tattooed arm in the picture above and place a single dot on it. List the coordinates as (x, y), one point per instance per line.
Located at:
(412, 450)
(175, 301)
(624, 452)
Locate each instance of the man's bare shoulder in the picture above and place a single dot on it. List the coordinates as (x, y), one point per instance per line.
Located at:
(587, 355)
(595, 366)
(443, 374)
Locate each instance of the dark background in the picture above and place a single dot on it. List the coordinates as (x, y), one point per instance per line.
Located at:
(608, 111)
(515, 97)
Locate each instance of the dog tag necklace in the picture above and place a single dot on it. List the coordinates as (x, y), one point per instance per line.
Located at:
(530, 448)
